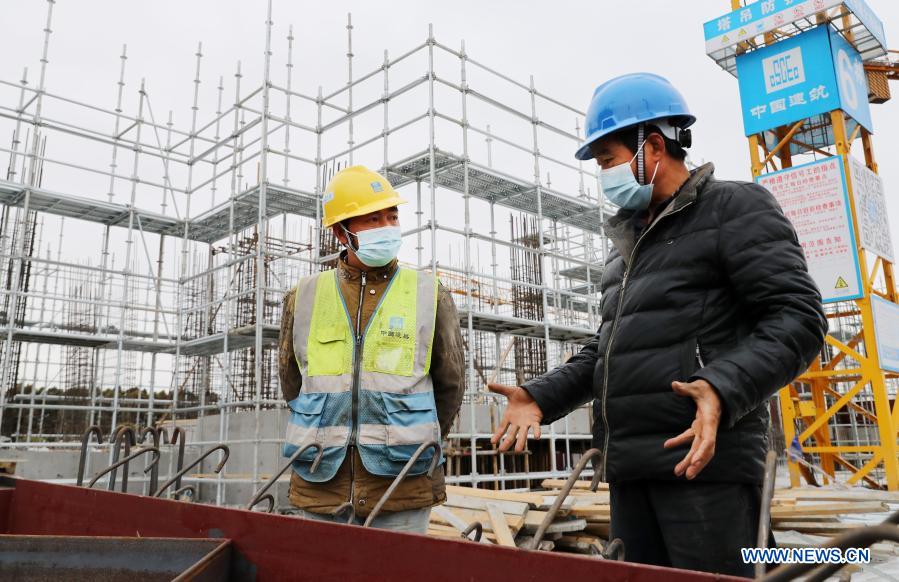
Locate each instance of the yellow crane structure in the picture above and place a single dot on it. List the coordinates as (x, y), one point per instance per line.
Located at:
(839, 418)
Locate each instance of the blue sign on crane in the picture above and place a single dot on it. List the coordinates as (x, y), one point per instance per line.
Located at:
(806, 75)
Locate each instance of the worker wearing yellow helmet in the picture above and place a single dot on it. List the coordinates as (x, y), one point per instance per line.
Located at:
(371, 365)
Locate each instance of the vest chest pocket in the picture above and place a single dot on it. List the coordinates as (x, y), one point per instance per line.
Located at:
(330, 351)
(309, 404)
(411, 420)
(390, 352)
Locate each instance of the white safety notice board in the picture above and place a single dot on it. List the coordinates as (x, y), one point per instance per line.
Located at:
(871, 210)
(814, 198)
(886, 330)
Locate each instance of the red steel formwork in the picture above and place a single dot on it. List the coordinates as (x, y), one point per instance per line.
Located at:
(273, 547)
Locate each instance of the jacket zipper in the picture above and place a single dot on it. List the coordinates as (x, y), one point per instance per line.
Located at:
(605, 382)
(699, 355)
(357, 366)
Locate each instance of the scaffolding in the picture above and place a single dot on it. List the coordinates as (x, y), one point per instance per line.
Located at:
(161, 301)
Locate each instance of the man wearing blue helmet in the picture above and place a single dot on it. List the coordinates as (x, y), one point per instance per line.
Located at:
(707, 310)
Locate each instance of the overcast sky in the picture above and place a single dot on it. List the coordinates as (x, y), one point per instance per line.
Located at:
(569, 48)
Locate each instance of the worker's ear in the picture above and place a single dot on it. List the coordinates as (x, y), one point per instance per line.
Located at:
(655, 146)
(339, 234)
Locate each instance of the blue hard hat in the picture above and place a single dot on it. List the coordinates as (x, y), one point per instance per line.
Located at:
(631, 99)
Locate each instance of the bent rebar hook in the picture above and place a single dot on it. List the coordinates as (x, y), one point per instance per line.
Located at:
(476, 527)
(261, 494)
(157, 440)
(561, 497)
(177, 476)
(112, 468)
(116, 440)
(179, 437)
(435, 460)
(85, 439)
(614, 550)
(163, 434)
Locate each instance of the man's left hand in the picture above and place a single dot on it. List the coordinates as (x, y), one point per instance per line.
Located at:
(702, 432)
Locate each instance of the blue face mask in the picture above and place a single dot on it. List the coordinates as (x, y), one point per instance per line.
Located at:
(620, 187)
(378, 246)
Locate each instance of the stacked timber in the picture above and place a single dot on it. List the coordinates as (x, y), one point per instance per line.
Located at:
(800, 517)
(512, 518)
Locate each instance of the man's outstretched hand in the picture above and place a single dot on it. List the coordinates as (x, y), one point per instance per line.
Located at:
(704, 430)
(522, 414)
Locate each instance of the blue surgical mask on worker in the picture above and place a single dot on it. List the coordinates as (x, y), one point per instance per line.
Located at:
(620, 186)
(377, 246)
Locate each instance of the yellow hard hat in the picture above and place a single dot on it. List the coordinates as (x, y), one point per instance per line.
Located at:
(356, 191)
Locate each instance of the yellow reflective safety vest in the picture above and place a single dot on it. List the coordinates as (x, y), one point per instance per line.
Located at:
(370, 387)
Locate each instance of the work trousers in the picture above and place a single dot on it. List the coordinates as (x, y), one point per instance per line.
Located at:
(411, 520)
(687, 524)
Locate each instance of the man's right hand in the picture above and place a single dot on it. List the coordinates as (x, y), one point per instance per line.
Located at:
(522, 414)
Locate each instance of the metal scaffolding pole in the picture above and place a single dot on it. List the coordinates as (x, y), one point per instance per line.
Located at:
(126, 271)
(225, 397)
(349, 67)
(469, 321)
(432, 136)
(262, 239)
(33, 180)
(535, 122)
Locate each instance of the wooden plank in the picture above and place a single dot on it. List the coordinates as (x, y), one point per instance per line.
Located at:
(821, 494)
(592, 512)
(562, 525)
(449, 532)
(468, 502)
(500, 527)
(828, 509)
(817, 527)
(602, 530)
(529, 498)
(815, 518)
(449, 517)
(599, 497)
(516, 522)
(580, 543)
(457, 522)
(572, 500)
(559, 483)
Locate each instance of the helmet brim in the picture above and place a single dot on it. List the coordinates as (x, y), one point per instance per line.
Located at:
(366, 209)
(583, 153)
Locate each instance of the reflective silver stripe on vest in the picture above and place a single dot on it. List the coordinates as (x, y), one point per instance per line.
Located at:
(377, 381)
(329, 384)
(380, 382)
(327, 436)
(376, 434)
(302, 319)
(425, 316)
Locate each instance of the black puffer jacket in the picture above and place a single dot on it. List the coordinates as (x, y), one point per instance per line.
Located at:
(717, 288)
